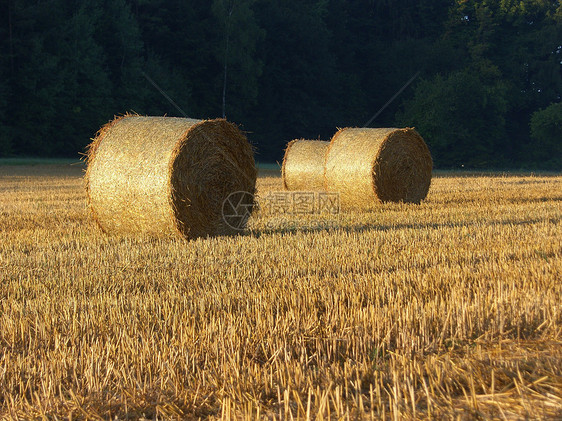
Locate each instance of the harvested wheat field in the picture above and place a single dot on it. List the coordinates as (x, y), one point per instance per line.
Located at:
(451, 309)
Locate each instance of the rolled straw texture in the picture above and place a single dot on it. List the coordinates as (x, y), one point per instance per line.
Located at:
(303, 165)
(167, 176)
(366, 166)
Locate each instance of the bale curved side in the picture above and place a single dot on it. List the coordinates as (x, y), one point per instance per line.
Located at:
(303, 165)
(366, 166)
(139, 179)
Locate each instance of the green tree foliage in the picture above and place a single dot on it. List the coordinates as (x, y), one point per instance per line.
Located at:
(461, 118)
(240, 33)
(546, 132)
(517, 43)
(293, 69)
(5, 139)
(5, 65)
(170, 31)
(59, 88)
(87, 87)
(403, 19)
(298, 90)
(37, 78)
(119, 34)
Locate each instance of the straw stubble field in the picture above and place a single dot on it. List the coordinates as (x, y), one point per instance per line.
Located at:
(449, 309)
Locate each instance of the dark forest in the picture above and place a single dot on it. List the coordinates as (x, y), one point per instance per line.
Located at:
(487, 91)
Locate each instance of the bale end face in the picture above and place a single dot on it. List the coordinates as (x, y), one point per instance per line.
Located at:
(402, 169)
(214, 164)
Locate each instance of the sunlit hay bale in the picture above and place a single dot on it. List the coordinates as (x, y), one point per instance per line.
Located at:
(366, 166)
(166, 176)
(303, 165)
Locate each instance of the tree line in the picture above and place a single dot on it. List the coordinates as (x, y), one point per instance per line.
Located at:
(487, 91)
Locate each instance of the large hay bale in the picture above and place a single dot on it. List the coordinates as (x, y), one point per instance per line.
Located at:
(164, 176)
(303, 165)
(366, 166)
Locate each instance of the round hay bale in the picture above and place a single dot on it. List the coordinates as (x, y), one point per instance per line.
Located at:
(366, 166)
(168, 176)
(303, 165)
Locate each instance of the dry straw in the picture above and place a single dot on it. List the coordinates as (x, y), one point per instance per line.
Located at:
(164, 176)
(303, 165)
(366, 166)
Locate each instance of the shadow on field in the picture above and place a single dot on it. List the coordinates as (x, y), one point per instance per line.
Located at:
(334, 226)
(506, 200)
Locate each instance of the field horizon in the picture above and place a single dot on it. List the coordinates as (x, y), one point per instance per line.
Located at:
(446, 310)
(275, 167)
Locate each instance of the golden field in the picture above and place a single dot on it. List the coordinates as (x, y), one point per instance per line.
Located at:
(451, 309)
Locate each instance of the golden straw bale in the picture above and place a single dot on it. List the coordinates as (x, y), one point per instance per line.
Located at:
(303, 165)
(168, 176)
(366, 166)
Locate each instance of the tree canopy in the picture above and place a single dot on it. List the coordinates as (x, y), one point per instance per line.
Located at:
(488, 92)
